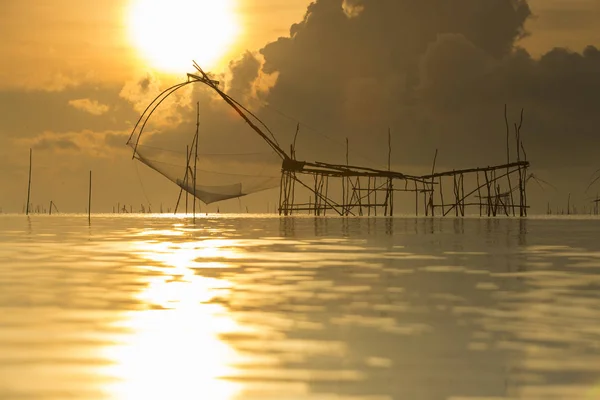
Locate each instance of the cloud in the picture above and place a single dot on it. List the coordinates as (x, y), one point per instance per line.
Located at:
(244, 72)
(91, 106)
(437, 73)
(105, 144)
(53, 111)
(141, 91)
(352, 8)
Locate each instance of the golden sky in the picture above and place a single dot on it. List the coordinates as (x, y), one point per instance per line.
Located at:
(73, 79)
(54, 44)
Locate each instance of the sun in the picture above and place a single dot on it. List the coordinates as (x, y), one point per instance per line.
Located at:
(169, 34)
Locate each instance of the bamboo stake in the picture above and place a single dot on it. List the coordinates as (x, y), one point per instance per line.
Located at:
(186, 178)
(196, 156)
(90, 200)
(518, 140)
(462, 188)
(389, 193)
(347, 178)
(456, 196)
(508, 158)
(489, 194)
(416, 200)
(479, 194)
(442, 196)
(29, 183)
(374, 185)
(432, 185)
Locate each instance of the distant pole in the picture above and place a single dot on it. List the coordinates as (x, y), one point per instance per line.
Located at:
(50, 208)
(187, 166)
(196, 156)
(29, 184)
(90, 200)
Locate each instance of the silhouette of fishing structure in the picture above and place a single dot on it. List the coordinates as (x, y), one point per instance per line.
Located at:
(340, 189)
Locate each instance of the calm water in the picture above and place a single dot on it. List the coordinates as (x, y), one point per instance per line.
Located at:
(269, 308)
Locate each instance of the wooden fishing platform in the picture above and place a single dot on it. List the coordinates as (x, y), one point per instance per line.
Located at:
(349, 190)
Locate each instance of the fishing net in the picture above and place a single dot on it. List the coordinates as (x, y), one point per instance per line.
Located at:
(214, 177)
(213, 164)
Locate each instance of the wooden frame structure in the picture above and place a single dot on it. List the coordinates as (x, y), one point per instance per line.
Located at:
(492, 190)
(350, 190)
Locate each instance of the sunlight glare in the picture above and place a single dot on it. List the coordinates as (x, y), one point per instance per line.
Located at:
(173, 349)
(170, 34)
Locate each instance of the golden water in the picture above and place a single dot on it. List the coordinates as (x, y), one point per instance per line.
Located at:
(242, 307)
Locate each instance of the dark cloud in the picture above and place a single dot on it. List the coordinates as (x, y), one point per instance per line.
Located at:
(144, 83)
(244, 72)
(437, 73)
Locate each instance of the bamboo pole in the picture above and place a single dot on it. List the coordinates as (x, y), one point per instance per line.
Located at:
(432, 184)
(186, 178)
(512, 201)
(518, 140)
(347, 205)
(455, 184)
(416, 200)
(442, 196)
(389, 195)
(366, 197)
(196, 156)
(29, 183)
(462, 188)
(90, 199)
(375, 193)
(479, 195)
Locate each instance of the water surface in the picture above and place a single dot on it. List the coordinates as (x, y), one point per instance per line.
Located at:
(242, 307)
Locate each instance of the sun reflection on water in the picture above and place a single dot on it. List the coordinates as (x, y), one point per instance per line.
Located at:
(173, 349)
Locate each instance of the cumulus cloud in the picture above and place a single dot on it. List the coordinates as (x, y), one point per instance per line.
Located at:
(437, 73)
(244, 73)
(142, 91)
(90, 106)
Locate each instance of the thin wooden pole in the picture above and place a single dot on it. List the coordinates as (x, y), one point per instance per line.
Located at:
(187, 179)
(347, 194)
(489, 194)
(462, 188)
(196, 155)
(479, 194)
(29, 183)
(510, 189)
(90, 199)
(416, 200)
(442, 197)
(389, 193)
(456, 196)
(431, 201)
